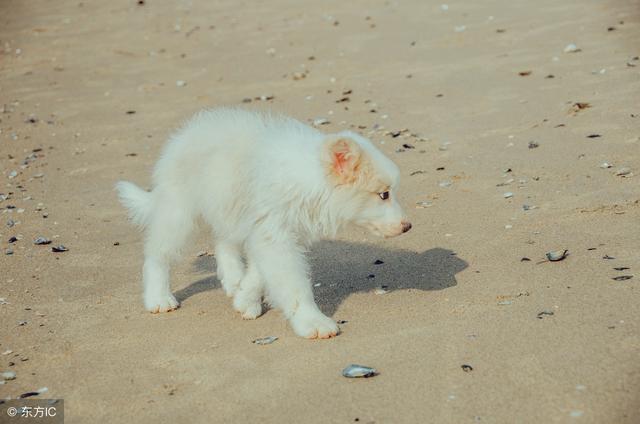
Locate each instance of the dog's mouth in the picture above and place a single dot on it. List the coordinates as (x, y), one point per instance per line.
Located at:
(389, 231)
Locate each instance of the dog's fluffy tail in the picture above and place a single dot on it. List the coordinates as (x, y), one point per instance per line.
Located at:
(137, 201)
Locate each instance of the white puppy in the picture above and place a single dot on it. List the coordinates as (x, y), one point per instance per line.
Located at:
(268, 186)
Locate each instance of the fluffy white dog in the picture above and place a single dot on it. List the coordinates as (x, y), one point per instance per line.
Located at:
(268, 186)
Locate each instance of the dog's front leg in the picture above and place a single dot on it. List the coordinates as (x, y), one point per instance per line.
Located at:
(285, 271)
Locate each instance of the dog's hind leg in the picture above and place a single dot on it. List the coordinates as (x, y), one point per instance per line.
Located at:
(230, 268)
(166, 234)
(248, 297)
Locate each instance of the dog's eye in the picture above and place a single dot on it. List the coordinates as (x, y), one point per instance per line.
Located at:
(384, 195)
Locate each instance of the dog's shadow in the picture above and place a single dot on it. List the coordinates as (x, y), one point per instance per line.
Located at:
(341, 268)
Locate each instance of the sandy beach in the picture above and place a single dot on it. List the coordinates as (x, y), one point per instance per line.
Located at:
(516, 126)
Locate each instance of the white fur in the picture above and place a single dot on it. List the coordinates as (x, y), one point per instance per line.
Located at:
(268, 186)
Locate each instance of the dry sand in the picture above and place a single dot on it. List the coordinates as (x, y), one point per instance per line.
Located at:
(458, 290)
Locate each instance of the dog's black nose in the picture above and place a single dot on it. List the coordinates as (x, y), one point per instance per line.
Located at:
(406, 226)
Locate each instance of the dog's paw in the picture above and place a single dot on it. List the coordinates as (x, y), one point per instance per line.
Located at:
(250, 309)
(253, 311)
(158, 302)
(314, 325)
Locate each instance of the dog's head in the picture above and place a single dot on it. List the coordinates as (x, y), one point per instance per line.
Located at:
(367, 183)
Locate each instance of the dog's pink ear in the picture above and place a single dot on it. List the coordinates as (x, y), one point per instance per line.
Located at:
(344, 159)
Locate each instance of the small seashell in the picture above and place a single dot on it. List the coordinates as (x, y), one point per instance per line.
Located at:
(298, 76)
(58, 249)
(466, 368)
(571, 48)
(181, 83)
(8, 375)
(445, 183)
(623, 171)
(581, 105)
(605, 165)
(557, 255)
(507, 195)
(41, 241)
(381, 290)
(40, 391)
(28, 394)
(542, 314)
(623, 277)
(320, 121)
(423, 205)
(357, 371)
(265, 340)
